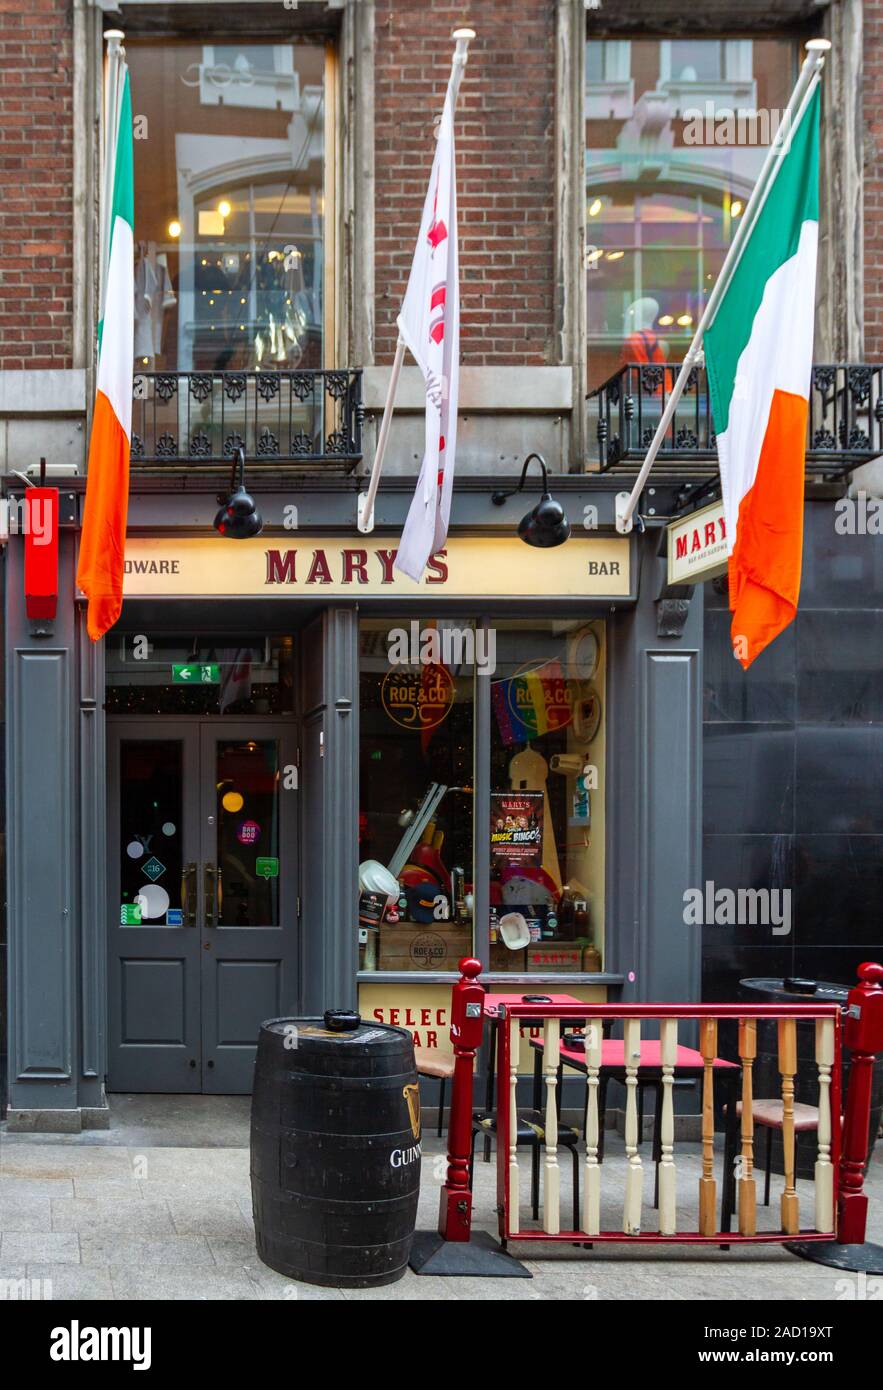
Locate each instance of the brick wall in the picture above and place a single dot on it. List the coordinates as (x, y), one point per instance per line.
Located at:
(505, 168)
(872, 101)
(36, 178)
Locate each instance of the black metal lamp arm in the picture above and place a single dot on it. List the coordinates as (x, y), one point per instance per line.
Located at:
(498, 498)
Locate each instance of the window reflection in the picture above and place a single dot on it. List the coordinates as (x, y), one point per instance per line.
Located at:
(229, 204)
(676, 133)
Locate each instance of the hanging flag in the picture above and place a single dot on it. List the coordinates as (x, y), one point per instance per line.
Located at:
(103, 541)
(758, 352)
(430, 326)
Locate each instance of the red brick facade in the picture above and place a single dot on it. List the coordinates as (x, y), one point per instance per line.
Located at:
(505, 166)
(36, 183)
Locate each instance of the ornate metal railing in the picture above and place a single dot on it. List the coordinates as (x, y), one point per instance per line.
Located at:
(195, 421)
(845, 417)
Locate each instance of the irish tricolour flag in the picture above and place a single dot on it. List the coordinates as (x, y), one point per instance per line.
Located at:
(102, 545)
(759, 357)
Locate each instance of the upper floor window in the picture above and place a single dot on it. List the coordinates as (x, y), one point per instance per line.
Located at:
(676, 133)
(231, 248)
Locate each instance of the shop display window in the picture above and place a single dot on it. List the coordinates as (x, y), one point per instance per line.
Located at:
(534, 742)
(546, 834)
(416, 761)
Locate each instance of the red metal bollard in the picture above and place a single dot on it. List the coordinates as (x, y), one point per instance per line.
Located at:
(467, 1021)
(863, 1035)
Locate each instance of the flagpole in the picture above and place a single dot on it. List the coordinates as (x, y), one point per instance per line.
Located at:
(115, 55)
(365, 506)
(810, 76)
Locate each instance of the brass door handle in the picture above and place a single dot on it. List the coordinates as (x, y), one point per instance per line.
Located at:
(188, 894)
(211, 874)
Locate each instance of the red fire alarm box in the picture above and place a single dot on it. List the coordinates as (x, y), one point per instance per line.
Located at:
(40, 510)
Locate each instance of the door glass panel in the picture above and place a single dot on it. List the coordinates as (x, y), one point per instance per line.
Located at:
(247, 782)
(151, 829)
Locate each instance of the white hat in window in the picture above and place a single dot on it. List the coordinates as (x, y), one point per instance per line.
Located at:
(514, 931)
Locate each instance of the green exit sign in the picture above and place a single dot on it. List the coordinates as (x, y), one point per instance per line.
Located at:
(196, 673)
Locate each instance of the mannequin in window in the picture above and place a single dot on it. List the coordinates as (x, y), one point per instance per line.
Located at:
(642, 343)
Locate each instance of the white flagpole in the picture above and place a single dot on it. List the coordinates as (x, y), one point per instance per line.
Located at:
(112, 98)
(365, 506)
(810, 75)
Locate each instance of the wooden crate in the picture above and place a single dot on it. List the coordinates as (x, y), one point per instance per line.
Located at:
(438, 946)
(552, 958)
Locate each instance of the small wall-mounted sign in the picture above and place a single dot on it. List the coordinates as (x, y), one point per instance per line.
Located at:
(196, 673)
(697, 546)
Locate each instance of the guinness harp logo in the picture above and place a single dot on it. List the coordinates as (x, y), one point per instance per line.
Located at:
(411, 1092)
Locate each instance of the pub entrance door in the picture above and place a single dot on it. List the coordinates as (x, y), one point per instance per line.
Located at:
(203, 898)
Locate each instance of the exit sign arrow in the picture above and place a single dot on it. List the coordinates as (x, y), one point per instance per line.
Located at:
(196, 673)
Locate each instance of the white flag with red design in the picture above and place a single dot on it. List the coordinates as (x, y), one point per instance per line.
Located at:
(430, 325)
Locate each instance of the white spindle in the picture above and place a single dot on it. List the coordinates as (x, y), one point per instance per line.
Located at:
(824, 1172)
(668, 1039)
(634, 1180)
(592, 1192)
(552, 1176)
(514, 1190)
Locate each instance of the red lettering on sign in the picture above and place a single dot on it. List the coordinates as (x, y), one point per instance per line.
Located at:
(319, 571)
(709, 533)
(697, 544)
(387, 560)
(438, 568)
(355, 565)
(280, 568)
(680, 547)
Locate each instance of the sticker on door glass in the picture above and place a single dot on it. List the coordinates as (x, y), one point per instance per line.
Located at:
(130, 915)
(266, 867)
(248, 832)
(153, 902)
(153, 868)
(175, 917)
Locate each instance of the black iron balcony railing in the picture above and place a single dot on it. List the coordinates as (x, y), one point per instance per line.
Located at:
(285, 420)
(845, 418)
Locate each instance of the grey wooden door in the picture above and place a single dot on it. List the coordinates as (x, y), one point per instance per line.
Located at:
(203, 905)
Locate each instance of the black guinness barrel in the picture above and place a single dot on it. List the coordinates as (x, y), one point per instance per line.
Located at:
(335, 1149)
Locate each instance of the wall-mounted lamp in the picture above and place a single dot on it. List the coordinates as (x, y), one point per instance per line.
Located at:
(545, 525)
(238, 517)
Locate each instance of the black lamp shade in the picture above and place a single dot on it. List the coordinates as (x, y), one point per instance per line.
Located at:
(545, 525)
(238, 517)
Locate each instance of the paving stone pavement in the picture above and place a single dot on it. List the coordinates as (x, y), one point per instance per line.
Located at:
(109, 1218)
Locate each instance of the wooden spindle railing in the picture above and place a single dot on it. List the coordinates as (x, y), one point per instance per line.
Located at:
(747, 1181)
(707, 1184)
(634, 1179)
(552, 1175)
(668, 1041)
(514, 1191)
(787, 1070)
(592, 1193)
(824, 1169)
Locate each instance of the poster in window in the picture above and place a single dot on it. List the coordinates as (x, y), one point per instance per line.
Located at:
(516, 829)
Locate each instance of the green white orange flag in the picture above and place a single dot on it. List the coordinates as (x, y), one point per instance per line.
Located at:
(103, 541)
(758, 352)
